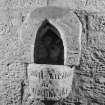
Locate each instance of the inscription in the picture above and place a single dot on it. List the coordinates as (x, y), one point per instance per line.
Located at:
(49, 92)
(50, 75)
(50, 81)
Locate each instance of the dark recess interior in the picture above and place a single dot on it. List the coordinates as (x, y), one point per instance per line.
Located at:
(48, 45)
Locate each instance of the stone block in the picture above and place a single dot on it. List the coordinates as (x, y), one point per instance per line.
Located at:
(96, 39)
(46, 81)
(97, 22)
(87, 5)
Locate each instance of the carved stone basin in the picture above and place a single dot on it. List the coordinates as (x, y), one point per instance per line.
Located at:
(51, 82)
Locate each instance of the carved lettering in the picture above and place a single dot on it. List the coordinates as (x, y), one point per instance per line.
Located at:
(51, 82)
(49, 92)
(41, 75)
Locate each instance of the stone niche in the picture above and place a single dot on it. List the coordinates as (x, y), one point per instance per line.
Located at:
(54, 37)
(48, 47)
(63, 24)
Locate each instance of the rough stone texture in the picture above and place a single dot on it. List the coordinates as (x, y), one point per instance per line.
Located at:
(88, 5)
(92, 60)
(12, 79)
(89, 79)
(16, 4)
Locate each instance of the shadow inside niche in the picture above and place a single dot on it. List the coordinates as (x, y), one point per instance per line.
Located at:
(48, 45)
(49, 102)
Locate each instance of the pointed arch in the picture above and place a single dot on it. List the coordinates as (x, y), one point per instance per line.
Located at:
(48, 48)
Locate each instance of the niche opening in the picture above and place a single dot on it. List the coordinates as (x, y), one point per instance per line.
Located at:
(48, 48)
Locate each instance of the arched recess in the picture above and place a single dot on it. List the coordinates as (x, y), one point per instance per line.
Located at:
(48, 48)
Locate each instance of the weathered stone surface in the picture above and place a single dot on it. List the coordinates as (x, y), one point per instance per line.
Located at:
(11, 80)
(11, 48)
(89, 79)
(4, 23)
(96, 39)
(97, 22)
(51, 82)
(4, 4)
(88, 5)
(16, 4)
(65, 3)
(32, 3)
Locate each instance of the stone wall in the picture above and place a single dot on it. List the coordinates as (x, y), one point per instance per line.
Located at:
(89, 78)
